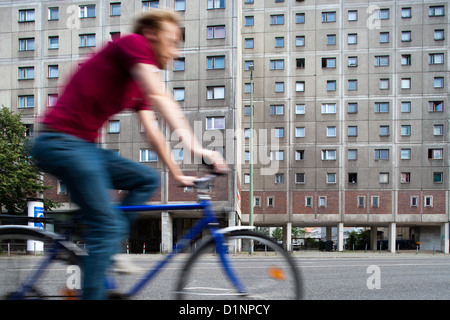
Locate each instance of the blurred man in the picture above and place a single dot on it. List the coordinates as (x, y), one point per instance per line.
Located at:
(123, 75)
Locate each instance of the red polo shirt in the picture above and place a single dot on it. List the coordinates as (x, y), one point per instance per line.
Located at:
(102, 87)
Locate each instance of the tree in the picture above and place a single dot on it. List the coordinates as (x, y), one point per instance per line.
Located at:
(20, 178)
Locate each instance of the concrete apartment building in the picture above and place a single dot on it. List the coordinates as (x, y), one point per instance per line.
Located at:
(351, 97)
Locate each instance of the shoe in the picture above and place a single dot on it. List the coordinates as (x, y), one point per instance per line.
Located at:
(122, 264)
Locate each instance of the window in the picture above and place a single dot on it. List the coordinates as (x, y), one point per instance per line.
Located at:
(328, 62)
(322, 201)
(381, 154)
(277, 64)
(406, 60)
(87, 40)
(405, 154)
(26, 101)
(87, 11)
(414, 201)
(331, 39)
(300, 63)
(381, 107)
(279, 132)
(406, 83)
(249, 43)
(216, 62)
(439, 34)
(361, 201)
(26, 73)
(308, 201)
(51, 99)
(352, 131)
(148, 155)
(436, 58)
(328, 154)
(146, 5)
(405, 177)
(331, 178)
(428, 201)
(53, 42)
(215, 93)
(352, 15)
(300, 86)
(300, 109)
(300, 178)
(384, 131)
(435, 106)
(26, 44)
(180, 5)
(248, 64)
(381, 14)
(115, 9)
(331, 85)
(438, 177)
(249, 21)
(277, 155)
(331, 132)
(279, 86)
(246, 178)
(405, 106)
(438, 82)
(53, 71)
(405, 130)
(384, 84)
(352, 85)
(27, 15)
(179, 64)
(438, 129)
(406, 13)
(216, 4)
(384, 177)
(277, 110)
(300, 132)
(114, 126)
(329, 16)
(299, 155)
(215, 32)
(270, 202)
(381, 61)
(375, 201)
(406, 36)
(300, 17)
(328, 108)
(279, 42)
(53, 14)
(352, 62)
(178, 94)
(178, 154)
(352, 38)
(277, 19)
(384, 37)
(352, 107)
(300, 41)
(215, 123)
(279, 178)
(352, 177)
(436, 11)
(352, 154)
(435, 154)
(257, 201)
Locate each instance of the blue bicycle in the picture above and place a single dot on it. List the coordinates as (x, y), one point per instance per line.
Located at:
(215, 270)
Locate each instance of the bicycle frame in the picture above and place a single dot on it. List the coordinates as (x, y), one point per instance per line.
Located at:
(209, 221)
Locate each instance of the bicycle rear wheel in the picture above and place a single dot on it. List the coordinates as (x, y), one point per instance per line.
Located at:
(270, 273)
(36, 264)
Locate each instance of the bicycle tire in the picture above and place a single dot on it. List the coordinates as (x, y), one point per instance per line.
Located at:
(271, 274)
(17, 265)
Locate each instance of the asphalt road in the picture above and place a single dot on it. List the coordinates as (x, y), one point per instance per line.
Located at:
(327, 277)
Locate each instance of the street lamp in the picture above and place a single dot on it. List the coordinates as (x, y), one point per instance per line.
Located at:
(250, 219)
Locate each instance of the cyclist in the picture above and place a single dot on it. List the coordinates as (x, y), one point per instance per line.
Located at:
(123, 75)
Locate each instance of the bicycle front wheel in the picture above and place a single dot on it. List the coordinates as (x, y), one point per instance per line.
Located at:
(269, 273)
(37, 265)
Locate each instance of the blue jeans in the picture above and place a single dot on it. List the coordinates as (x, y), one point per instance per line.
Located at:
(90, 173)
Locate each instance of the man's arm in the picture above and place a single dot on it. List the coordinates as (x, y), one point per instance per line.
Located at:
(150, 82)
(159, 145)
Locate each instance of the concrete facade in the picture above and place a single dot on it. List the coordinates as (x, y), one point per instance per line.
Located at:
(350, 97)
